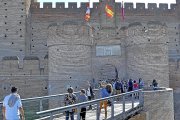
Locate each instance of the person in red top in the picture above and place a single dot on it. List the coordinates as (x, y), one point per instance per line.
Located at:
(135, 87)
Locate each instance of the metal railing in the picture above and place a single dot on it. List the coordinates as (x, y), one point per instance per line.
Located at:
(36, 104)
(127, 100)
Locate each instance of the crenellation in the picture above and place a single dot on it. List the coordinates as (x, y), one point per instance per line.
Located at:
(47, 5)
(31, 65)
(10, 58)
(96, 5)
(140, 6)
(118, 6)
(35, 5)
(30, 58)
(60, 5)
(152, 6)
(128, 6)
(174, 7)
(83, 6)
(130, 9)
(72, 5)
(163, 7)
(33, 1)
(140, 9)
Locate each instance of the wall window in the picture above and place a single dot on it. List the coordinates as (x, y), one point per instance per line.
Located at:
(108, 50)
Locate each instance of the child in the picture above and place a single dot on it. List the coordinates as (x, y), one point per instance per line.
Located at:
(83, 98)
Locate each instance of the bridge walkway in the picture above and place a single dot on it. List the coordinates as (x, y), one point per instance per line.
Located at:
(122, 106)
(118, 108)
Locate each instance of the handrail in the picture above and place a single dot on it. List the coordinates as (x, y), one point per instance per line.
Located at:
(79, 105)
(57, 95)
(83, 103)
(46, 97)
(32, 105)
(40, 99)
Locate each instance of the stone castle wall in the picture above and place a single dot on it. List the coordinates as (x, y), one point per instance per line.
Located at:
(157, 101)
(31, 80)
(147, 52)
(69, 56)
(24, 33)
(35, 27)
(42, 17)
(13, 29)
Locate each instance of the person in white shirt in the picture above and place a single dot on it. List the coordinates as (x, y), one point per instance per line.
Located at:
(12, 107)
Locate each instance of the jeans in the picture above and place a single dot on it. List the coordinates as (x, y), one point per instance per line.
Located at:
(83, 113)
(71, 115)
(90, 106)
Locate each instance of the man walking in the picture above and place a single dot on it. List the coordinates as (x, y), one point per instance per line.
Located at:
(12, 107)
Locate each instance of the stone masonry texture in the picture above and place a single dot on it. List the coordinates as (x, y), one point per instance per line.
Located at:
(44, 50)
(157, 101)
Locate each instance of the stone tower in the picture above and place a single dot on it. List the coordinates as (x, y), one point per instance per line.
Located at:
(69, 47)
(147, 52)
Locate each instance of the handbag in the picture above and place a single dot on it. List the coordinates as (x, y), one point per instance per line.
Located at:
(109, 103)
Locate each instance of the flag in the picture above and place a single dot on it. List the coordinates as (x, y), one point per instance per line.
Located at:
(87, 15)
(109, 11)
(122, 10)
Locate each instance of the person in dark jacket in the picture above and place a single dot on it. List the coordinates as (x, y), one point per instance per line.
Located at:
(118, 87)
(90, 94)
(130, 85)
(154, 84)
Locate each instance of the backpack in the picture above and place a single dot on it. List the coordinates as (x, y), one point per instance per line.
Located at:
(118, 86)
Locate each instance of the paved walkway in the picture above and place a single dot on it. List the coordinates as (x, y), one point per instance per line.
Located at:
(91, 114)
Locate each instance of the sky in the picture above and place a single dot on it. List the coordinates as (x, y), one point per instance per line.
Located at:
(134, 1)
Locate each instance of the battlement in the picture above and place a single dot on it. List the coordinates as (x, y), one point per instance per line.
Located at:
(127, 5)
(30, 63)
(130, 8)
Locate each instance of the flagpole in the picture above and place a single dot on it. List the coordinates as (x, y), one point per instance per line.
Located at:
(122, 11)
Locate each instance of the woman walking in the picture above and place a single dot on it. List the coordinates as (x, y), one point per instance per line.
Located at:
(70, 99)
(106, 91)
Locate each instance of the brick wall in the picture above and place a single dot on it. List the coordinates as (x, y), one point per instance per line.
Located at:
(12, 25)
(31, 80)
(157, 101)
